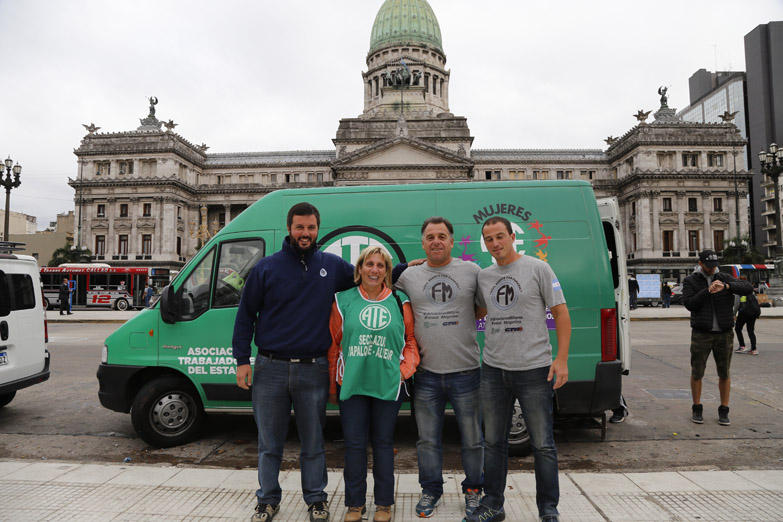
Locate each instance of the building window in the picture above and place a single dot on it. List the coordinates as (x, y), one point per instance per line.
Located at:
(633, 208)
(123, 210)
(690, 159)
(693, 205)
(717, 204)
(101, 210)
(122, 245)
(102, 167)
(693, 241)
(146, 244)
(516, 174)
(717, 241)
(668, 240)
(126, 167)
(492, 174)
(540, 174)
(147, 209)
(633, 242)
(221, 219)
(665, 160)
(587, 174)
(667, 204)
(319, 177)
(100, 245)
(179, 246)
(179, 212)
(715, 160)
(564, 174)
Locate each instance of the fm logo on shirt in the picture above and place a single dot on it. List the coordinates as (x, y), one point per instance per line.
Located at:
(440, 290)
(505, 293)
(348, 242)
(375, 317)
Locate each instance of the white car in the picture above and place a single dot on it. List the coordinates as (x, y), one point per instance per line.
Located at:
(24, 359)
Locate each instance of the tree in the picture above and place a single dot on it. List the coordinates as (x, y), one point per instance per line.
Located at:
(69, 254)
(741, 251)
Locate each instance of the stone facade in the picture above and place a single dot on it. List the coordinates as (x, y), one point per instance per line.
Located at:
(148, 197)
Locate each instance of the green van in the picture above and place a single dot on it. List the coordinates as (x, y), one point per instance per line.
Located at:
(171, 364)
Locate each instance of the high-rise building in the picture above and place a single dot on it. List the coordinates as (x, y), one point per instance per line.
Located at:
(764, 70)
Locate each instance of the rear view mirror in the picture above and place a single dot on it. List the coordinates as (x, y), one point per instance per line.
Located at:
(168, 305)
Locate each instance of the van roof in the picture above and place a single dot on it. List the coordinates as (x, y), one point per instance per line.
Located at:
(251, 217)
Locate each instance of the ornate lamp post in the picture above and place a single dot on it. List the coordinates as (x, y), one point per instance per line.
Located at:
(9, 184)
(772, 165)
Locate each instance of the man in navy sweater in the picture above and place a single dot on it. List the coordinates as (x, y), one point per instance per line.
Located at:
(286, 304)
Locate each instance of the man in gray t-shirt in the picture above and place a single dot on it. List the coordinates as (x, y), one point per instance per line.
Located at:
(518, 363)
(442, 293)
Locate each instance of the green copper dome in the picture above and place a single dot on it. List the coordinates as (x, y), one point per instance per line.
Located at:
(405, 22)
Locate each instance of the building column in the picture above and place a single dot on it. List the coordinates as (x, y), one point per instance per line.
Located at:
(656, 224)
(227, 207)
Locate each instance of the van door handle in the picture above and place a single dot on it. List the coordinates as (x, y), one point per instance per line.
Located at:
(3, 331)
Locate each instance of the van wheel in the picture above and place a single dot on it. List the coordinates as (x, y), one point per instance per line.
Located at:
(46, 304)
(121, 305)
(518, 437)
(167, 412)
(6, 398)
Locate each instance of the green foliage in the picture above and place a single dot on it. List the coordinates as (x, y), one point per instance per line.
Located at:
(66, 254)
(740, 253)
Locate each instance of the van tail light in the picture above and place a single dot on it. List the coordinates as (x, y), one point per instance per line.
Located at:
(46, 321)
(608, 334)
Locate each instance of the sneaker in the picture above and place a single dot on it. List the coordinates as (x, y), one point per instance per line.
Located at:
(619, 416)
(550, 518)
(265, 512)
(319, 511)
(723, 416)
(472, 500)
(742, 349)
(355, 514)
(426, 505)
(485, 514)
(754, 352)
(382, 514)
(697, 416)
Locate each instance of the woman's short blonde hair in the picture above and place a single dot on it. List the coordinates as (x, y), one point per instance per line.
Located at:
(367, 252)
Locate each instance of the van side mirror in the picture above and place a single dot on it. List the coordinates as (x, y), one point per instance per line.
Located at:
(168, 305)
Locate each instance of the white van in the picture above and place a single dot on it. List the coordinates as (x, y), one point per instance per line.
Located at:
(24, 359)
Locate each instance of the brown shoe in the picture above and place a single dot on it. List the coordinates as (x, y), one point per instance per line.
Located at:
(354, 514)
(382, 514)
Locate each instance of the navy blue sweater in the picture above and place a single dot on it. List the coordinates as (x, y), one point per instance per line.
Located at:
(286, 304)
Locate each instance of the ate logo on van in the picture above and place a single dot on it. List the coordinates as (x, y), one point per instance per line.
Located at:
(375, 317)
(515, 212)
(348, 242)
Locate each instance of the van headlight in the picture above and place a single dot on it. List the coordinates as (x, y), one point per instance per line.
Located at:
(105, 354)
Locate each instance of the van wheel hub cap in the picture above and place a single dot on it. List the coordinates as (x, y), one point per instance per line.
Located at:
(171, 412)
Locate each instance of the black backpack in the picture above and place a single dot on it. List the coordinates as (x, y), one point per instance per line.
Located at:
(751, 308)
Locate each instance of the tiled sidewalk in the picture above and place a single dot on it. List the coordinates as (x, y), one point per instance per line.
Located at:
(62, 491)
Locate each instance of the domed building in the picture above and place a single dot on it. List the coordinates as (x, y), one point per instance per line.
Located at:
(149, 196)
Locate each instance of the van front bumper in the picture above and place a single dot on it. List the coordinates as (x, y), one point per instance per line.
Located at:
(30, 380)
(592, 397)
(115, 384)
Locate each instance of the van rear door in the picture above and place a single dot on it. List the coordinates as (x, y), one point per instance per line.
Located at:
(609, 209)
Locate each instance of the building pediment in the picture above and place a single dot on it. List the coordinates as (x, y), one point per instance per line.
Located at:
(401, 152)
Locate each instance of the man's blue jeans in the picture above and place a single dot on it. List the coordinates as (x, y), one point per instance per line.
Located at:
(536, 396)
(368, 419)
(430, 396)
(277, 385)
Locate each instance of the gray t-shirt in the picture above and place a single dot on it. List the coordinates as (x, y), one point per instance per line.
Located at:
(443, 301)
(516, 296)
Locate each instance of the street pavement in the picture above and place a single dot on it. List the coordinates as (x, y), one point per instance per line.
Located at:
(97, 492)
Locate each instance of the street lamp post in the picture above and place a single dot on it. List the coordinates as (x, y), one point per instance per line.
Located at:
(736, 197)
(9, 183)
(771, 164)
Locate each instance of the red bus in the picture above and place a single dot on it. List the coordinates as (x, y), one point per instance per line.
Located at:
(101, 285)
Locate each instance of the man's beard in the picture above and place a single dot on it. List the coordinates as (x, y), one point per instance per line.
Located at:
(300, 250)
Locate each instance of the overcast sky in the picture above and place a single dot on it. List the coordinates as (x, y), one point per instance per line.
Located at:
(244, 76)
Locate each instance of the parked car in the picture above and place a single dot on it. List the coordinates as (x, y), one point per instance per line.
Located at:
(24, 359)
(677, 294)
